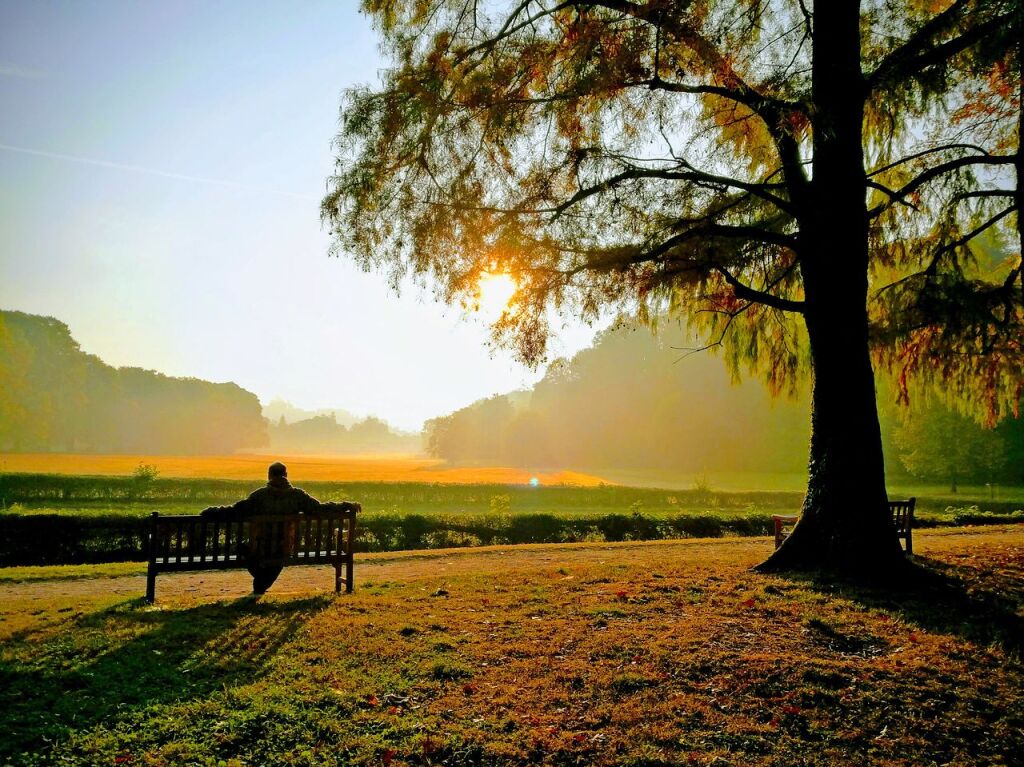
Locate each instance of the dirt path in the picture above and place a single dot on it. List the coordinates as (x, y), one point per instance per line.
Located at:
(438, 565)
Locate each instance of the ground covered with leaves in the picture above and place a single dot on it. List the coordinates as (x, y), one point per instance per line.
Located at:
(606, 654)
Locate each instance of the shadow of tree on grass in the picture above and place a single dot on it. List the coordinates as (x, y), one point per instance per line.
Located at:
(116, 660)
(980, 604)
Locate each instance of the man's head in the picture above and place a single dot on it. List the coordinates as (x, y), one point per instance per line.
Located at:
(277, 470)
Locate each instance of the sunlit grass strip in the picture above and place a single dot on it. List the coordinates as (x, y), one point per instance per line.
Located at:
(28, 574)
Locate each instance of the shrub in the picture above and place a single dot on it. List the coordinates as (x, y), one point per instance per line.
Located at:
(698, 525)
(534, 528)
(972, 515)
(51, 539)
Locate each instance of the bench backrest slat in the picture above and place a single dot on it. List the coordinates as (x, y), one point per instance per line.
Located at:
(902, 519)
(180, 541)
(201, 543)
(177, 541)
(190, 550)
(166, 541)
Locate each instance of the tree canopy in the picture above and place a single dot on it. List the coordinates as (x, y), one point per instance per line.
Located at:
(803, 181)
(631, 155)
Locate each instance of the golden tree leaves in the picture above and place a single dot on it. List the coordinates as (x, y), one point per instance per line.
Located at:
(646, 156)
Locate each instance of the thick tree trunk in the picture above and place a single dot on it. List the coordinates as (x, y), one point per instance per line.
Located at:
(845, 523)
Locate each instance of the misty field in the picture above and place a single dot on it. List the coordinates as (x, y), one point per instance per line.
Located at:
(626, 654)
(302, 468)
(66, 518)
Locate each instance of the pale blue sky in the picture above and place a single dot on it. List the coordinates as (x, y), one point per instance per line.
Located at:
(161, 165)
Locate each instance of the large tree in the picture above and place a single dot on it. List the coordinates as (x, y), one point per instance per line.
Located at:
(803, 182)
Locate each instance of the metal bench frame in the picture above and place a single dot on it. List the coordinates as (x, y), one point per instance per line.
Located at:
(178, 543)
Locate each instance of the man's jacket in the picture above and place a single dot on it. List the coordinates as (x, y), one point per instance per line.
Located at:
(278, 497)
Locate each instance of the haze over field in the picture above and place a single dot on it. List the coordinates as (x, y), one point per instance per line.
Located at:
(304, 468)
(187, 173)
(633, 408)
(191, 265)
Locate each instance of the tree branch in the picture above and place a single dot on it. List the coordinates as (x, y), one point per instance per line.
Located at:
(925, 153)
(747, 293)
(935, 172)
(693, 175)
(922, 51)
(933, 263)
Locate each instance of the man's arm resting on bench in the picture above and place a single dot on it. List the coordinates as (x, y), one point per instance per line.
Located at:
(341, 506)
(239, 508)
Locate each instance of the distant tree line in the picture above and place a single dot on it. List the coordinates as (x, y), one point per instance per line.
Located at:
(279, 408)
(931, 440)
(636, 401)
(323, 434)
(631, 401)
(55, 397)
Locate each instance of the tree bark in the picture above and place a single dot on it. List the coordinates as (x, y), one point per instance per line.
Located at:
(845, 523)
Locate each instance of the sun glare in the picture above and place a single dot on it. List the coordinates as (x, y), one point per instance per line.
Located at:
(495, 291)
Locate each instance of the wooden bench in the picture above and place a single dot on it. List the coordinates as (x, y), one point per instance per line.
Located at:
(902, 518)
(192, 542)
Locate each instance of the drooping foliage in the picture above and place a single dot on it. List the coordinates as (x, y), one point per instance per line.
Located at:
(647, 155)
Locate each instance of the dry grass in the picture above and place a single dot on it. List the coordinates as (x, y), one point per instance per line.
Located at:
(628, 654)
(302, 468)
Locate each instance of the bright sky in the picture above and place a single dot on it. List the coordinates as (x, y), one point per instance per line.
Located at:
(161, 165)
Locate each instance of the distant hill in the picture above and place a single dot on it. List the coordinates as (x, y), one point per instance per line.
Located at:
(55, 397)
(323, 434)
(279, 408)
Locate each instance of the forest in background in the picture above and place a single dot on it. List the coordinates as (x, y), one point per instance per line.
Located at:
(55, 397)
(635, 401)
(632, 401)
(325, 433)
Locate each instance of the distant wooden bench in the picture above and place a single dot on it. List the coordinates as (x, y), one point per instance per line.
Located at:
(902, 519)
(192, 542)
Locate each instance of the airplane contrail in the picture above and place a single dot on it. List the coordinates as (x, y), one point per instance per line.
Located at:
(154, 172)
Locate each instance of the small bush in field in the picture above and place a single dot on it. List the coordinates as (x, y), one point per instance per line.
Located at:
(145, 473)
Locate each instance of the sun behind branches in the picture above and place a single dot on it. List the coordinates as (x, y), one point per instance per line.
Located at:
(495, 290)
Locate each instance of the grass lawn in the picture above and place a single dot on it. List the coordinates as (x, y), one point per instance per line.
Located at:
(607, 654)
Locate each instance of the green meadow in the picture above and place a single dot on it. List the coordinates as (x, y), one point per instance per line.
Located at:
(629, 654)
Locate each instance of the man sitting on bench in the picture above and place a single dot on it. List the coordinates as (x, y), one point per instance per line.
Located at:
(279, 497)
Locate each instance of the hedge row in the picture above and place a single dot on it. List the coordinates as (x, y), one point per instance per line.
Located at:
(35, 488)
(51, 539)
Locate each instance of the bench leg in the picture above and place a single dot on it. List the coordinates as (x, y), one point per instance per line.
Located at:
(151, 585)
(348, 574)
(910, 540)
(337, 578)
